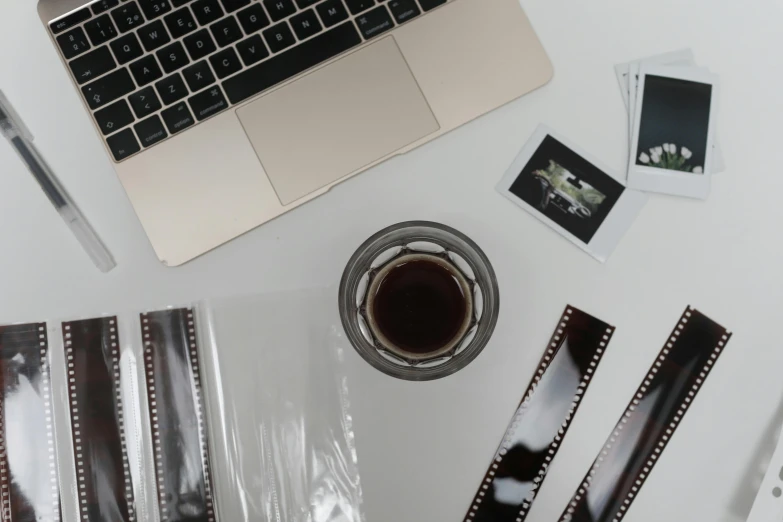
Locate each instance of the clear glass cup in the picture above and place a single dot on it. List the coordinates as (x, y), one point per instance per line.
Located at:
(428, 239)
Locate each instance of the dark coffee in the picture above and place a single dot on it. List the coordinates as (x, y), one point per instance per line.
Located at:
(420, 306)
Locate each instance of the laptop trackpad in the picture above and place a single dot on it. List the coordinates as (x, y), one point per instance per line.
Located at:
(337, 120)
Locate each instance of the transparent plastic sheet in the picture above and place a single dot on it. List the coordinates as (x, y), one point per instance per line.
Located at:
(281, 432)
(100, 429)
(232, 410)
(105, 448)
(176, 416)
(28, 474)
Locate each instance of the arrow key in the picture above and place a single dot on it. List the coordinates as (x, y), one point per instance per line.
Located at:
(144, 102)
(114, 117)
(92, 65)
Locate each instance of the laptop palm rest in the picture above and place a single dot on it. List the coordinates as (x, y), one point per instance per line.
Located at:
(337, 120)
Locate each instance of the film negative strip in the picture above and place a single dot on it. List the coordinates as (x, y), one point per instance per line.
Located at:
(28, 470)
(92, 351)
(534, 436)
(649, 422)
(177, 416)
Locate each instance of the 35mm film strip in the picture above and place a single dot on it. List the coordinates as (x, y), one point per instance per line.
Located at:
(649, 422)
(28, 470)
(177, 417)
(541, 421)
(92, 351)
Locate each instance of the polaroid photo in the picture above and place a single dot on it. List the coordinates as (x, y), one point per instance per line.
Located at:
(628, 83)
(572, 193)
(718, 164)
(674, 131)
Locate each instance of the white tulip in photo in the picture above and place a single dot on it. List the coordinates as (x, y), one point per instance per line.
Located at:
(687, 154)
(698, 170)
(644, 158)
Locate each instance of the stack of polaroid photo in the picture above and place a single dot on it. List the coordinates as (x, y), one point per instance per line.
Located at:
(672, 119)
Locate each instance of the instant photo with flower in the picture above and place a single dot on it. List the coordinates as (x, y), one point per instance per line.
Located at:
(674, 126)
(673, 131)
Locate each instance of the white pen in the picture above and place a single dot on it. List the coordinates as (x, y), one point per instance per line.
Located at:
(19, 137)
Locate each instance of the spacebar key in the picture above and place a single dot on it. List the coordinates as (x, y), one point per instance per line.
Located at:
(290, 63)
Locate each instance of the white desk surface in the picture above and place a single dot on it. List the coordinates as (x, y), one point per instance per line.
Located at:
(423, 448)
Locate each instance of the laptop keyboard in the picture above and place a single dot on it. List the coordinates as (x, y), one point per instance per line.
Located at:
(149, 69)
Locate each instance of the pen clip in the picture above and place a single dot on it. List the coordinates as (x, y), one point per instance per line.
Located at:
(10, 117)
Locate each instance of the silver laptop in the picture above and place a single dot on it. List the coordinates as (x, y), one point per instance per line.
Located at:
(221, 115)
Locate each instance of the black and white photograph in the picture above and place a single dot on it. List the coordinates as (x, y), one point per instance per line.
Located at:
(673, 131)
(675, 124)
(570, 192)
(567, 189)
(629, 84)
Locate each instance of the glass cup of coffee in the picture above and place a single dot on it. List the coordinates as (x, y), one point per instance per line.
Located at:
(419, 300)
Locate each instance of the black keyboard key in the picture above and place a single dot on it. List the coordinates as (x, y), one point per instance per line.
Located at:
(279, 37)
(179, 3)
(93, 64)
(73, 43)
(104, 5)
(431, 4)
(208, 103)
(253, 18)
(127, 17)
(404, 10)
(146, 70)
(100, 30)
(150, 131)
(173, 57)
(305, 3)
(225, 63)
(306, 24)
(180, 23)
(199, 76)
(279, 9)
(252, 50)
(127, 48)
(107, 89)
(232, 5)
(123, 144)
(357, 6)
(199, 44)
(144, 102)
(178, 118)
(114, 117)
(69, 21)
(207, 11)
(375, 22)
(153, 36)
(290, 63)
(332, 12)
(154, 8)
(226, 31)
(171, 89)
